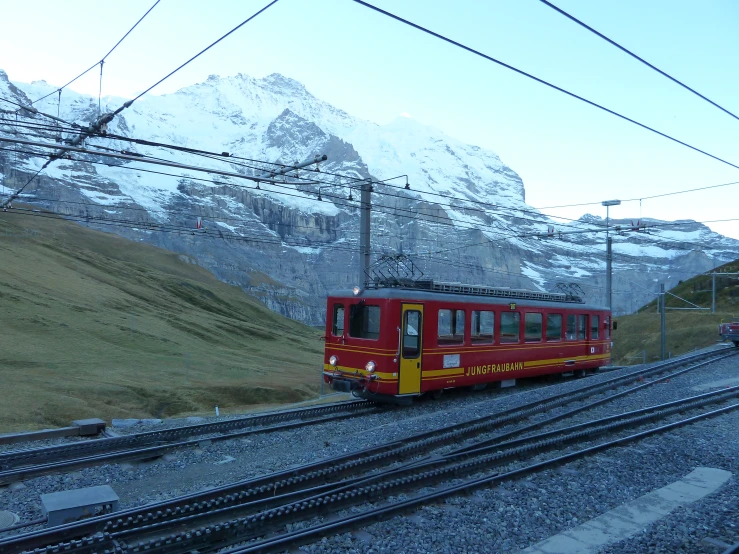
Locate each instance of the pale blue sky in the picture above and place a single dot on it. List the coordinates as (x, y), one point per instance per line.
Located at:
(375, 68)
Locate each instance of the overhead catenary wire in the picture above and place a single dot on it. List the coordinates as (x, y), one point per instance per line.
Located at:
(248, 239)
(103, 120)
(393, 210)
(354, 179)
(543, 82)
(638, 58)
(490, 207)
(464, 200)
(203, 51)
(228, 158)
(33, 111)
(424, 217)
(168, 228)
(102, 60)
(159, 161)
(260, 239)
(661, 195)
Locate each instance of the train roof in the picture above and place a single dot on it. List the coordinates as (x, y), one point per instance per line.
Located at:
(457, 292)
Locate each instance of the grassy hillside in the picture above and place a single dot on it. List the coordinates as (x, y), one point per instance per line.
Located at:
(94, 325)
(686, 329)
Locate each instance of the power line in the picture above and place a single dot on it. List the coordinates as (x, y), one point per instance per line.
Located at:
(642, 60)
(643, 197)
(394, 209)
(102, 121)
(102, 60)
(423, 217)
(170, 228)
(260, 239)
(225, 157)
(211, 45)
(160, 161)
(34, 111)
(63, 150)
(15, 194)
(542, 81)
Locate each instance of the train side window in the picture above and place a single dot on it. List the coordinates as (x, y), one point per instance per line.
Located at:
(532, 327)
(510, 326)
(459, 325)
(582, 326)
(594, 327)
(337, 327)
(554, 327)
(607, 326)
(483, 323)
(411, 332)
(364, 321)
(571, 331)
(451, 327)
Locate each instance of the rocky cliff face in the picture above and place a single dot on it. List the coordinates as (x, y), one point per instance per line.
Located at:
(464, 217)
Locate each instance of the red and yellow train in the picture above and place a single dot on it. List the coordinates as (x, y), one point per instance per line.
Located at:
(397, 343)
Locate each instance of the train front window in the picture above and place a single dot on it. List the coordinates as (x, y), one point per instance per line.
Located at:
(510, 327)
(411, 334)
(451, 327)
(571, 332)
(582, 325)
(554, 327)
(482, 327)
(532, 327)
(364, 321)
(594, 326)
(337, 326)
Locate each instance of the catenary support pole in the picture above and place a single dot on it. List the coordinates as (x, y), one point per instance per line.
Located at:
(609, 269)
(365, 207)
(713, 293)
(663, 326)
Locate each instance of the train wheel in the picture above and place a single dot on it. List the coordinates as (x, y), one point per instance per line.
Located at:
(578, 373)
(436, 394)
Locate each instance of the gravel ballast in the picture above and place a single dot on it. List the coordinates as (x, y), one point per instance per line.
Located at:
(506, 518)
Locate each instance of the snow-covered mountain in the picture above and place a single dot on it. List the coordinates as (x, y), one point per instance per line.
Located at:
(462, 218)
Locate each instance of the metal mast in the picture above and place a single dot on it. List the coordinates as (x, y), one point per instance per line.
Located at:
(365, 206)
(609, 254)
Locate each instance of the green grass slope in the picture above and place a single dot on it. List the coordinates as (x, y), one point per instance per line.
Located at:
(686, 329)
(94, 325)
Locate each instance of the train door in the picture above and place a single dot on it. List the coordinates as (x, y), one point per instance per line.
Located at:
(411, 333)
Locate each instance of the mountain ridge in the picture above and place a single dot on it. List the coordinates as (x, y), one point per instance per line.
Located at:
(464, 215)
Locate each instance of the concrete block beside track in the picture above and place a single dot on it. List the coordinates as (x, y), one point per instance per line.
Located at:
(89, 427)
(73, 505)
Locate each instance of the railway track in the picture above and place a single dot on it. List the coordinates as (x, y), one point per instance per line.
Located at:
(298, 485)
(22, 464)
(225, 526)
(457, 478)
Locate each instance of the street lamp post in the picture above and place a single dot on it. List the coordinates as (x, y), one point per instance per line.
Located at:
(609, 253)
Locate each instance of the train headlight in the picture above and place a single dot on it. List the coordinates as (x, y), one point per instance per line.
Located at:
(370, 366)
(356, 291)
(333, 360)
